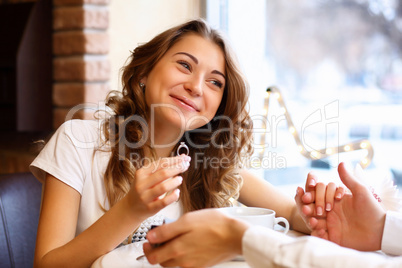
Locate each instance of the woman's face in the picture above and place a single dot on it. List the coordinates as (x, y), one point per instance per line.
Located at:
(185, 87)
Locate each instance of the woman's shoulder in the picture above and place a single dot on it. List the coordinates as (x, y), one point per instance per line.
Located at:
(246, 174)
(82, 132)
(81, 124)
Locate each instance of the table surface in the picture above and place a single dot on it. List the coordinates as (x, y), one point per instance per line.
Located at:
(126, 257)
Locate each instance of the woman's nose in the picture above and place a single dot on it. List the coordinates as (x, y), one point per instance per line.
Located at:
(194, 86)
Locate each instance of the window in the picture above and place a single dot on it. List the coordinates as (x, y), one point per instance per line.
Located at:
(338, 65)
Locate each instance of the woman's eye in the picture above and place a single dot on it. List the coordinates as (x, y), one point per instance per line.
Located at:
(185, 65)
(217, 83)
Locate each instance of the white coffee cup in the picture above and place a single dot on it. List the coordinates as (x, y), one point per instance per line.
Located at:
(256, 216)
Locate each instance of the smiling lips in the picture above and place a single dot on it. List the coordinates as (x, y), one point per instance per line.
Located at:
(186, 102)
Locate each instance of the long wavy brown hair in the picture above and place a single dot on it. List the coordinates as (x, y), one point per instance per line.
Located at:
(206, 184)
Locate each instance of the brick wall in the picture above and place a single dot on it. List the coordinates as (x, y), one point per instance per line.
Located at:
(81, 69)
(81, 72)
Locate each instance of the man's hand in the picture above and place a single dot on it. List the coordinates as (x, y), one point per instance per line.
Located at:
(198, 239)
(356, 221)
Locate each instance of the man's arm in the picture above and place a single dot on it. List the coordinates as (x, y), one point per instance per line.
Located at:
(392, 235)
(263, 247)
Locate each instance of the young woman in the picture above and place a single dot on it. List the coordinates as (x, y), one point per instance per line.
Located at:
(103, 182)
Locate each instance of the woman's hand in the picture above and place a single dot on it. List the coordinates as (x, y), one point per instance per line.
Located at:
(317, 201)
(155, 185)
(192, 241)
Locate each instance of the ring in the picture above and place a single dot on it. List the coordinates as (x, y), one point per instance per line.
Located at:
(183, 145)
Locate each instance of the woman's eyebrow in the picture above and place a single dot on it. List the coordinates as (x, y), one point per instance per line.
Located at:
(189, 55)
(217, 72)
(196, 62)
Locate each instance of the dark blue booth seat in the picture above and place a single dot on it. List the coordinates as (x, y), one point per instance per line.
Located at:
(20, 197)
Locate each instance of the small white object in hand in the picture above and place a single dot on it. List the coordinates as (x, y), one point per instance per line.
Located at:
(384, 190)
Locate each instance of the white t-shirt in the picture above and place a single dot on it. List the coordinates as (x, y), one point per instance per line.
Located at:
(75, 156)
(263, 247)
